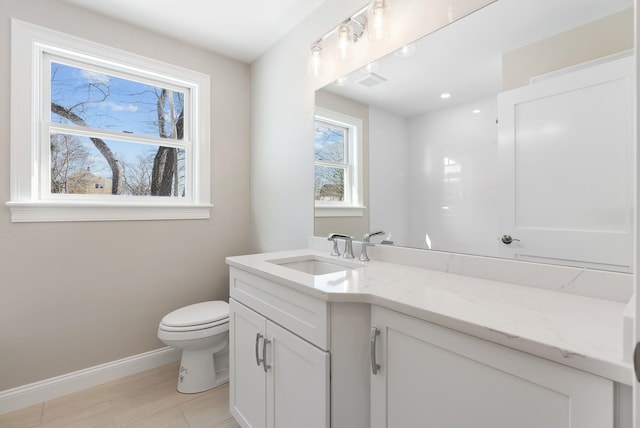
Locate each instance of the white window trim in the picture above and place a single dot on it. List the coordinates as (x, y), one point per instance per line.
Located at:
(28, 42)
(339, 211)
(354, 207)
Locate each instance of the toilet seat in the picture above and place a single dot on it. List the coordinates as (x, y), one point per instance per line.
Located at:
(194, 327)
(198, 316)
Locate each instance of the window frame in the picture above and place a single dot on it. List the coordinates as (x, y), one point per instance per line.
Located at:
(30, 198)
(353, 205)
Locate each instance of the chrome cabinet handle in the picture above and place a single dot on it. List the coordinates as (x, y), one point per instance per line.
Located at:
(265, 366)
(374, 366)
(258, 360)
(636, 361)
(507, 239)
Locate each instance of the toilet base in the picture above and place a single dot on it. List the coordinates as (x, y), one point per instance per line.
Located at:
(198, 372)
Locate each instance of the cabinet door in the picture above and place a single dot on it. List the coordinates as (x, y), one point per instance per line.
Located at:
(247, 380)
(436, 377)
(297, 381)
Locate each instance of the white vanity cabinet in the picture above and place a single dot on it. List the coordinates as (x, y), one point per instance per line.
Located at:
(433, 376)
(277, 379)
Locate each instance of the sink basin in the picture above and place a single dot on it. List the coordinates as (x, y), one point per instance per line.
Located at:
(314, 265)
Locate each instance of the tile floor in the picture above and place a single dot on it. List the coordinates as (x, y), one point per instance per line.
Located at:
(147, 399)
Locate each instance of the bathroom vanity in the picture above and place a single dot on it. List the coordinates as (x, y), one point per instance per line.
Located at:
(321, 341)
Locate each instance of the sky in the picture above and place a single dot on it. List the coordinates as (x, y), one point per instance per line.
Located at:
(109, 103)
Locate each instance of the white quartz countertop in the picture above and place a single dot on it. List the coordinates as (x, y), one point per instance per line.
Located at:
(578, 331)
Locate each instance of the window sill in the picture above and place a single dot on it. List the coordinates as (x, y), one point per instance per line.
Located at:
(339, 211)
(32, 212)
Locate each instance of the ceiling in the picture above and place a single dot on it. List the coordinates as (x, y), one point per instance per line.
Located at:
(465, 57)
(240, 29)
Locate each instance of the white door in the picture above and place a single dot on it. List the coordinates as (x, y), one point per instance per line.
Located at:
(297, 381)
(566, 168)
(247, 388)
(430, 376)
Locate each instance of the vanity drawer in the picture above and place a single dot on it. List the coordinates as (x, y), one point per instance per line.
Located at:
(299, 313)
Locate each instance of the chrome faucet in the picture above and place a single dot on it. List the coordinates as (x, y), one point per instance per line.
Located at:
(348, 245)
(366, 242)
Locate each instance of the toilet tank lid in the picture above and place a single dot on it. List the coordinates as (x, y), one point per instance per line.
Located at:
(199, 313)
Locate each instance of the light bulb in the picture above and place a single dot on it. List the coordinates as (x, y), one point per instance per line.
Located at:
(378, 21)
(344, 46)
(315, 60)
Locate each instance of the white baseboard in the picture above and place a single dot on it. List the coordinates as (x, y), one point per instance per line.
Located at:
(48, 389)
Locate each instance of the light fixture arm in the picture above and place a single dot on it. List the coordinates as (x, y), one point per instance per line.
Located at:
(361, 22)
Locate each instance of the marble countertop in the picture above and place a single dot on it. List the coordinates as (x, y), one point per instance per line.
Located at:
(582, 332)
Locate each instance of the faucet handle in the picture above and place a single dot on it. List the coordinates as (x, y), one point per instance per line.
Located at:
(333, 236)
(366, 242)
(367, 236)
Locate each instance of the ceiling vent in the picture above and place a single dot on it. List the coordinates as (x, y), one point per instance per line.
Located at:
(370, 80)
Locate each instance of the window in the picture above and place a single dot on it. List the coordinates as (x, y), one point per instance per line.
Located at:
(337, 164)
(101, 134)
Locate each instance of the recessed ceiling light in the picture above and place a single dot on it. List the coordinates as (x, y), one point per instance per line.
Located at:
(341, 81)
(445, 96)
(406, 51)
(476, 111)
(371, 67)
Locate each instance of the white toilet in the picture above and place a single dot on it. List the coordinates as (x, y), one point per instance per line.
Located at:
(202, 332)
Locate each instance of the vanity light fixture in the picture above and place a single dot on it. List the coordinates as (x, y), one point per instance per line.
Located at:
(378, 21)
(349, 32)
(346, 42)
(315, 60)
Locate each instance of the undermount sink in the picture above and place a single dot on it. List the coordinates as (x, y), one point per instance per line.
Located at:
(314, 265)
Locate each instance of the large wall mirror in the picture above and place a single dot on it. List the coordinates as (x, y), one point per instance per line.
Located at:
(507, 133)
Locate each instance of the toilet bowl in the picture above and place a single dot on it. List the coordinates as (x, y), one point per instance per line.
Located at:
(201, 331)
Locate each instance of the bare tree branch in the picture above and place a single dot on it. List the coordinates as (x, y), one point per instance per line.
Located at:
(102, 147)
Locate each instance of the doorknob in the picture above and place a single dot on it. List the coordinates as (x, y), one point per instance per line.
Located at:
(507, 239)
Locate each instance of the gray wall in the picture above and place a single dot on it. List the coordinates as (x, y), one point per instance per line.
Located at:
(74, 295)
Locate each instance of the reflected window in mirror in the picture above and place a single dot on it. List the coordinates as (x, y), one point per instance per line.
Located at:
(337, 161)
